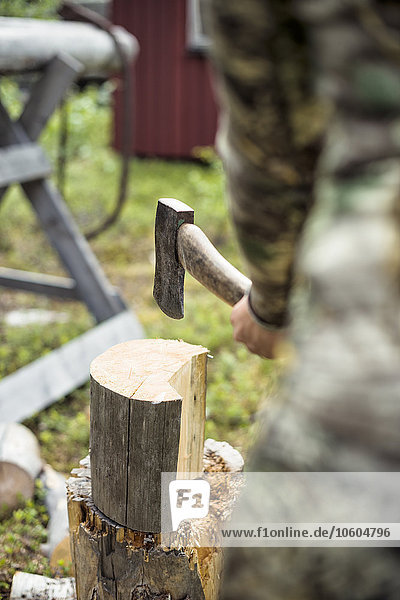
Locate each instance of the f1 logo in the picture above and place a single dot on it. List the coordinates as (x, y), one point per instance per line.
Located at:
(189, 499)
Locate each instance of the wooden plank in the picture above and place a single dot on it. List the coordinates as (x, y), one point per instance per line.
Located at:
(23, 162)
(136, 430)
(47, 93)
(51, 377)
(37, 283)
(61, 230)
(9, 133)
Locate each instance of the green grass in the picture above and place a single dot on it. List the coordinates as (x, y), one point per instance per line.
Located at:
(237, 381)
(21, 535)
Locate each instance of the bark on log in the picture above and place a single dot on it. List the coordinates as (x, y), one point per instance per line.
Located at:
(29, 44)
(26, 586)
(147, 417)
(114, 562)
(20, 464)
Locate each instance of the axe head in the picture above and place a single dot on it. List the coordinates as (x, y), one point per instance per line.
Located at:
(169, 274)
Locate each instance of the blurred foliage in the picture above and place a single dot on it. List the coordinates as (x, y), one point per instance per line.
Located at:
(37, 9)
(21, 345)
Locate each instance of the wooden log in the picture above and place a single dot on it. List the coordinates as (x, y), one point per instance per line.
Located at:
(57, 546)
(20, 464)
(29, 45)
(27, 586)
(147, 417)
(115, 562)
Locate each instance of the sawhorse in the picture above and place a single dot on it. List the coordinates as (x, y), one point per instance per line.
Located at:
(23, 161)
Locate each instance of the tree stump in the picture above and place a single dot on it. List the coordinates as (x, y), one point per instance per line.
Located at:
(115, 562)
(20, 464)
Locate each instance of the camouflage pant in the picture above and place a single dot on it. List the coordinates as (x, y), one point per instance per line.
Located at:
(340, 407)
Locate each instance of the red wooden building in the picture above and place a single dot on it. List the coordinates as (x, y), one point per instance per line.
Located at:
(174, 108)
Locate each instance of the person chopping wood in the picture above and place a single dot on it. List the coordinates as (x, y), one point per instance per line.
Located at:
(309, 136)
(269, 138)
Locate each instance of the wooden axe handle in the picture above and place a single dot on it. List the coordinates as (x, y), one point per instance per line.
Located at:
(202, 260)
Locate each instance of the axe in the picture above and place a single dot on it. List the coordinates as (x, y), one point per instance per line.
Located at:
(182, 246)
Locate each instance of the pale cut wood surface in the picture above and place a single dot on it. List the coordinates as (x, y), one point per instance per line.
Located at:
(147, 417)
(20, 464)
(190, 382)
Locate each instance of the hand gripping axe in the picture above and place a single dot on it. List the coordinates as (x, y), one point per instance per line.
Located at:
(182, 246)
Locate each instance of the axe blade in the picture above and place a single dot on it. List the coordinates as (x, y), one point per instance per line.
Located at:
(169, 275)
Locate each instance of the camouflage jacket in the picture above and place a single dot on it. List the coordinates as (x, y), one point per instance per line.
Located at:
(339, 408)
(283, 67)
